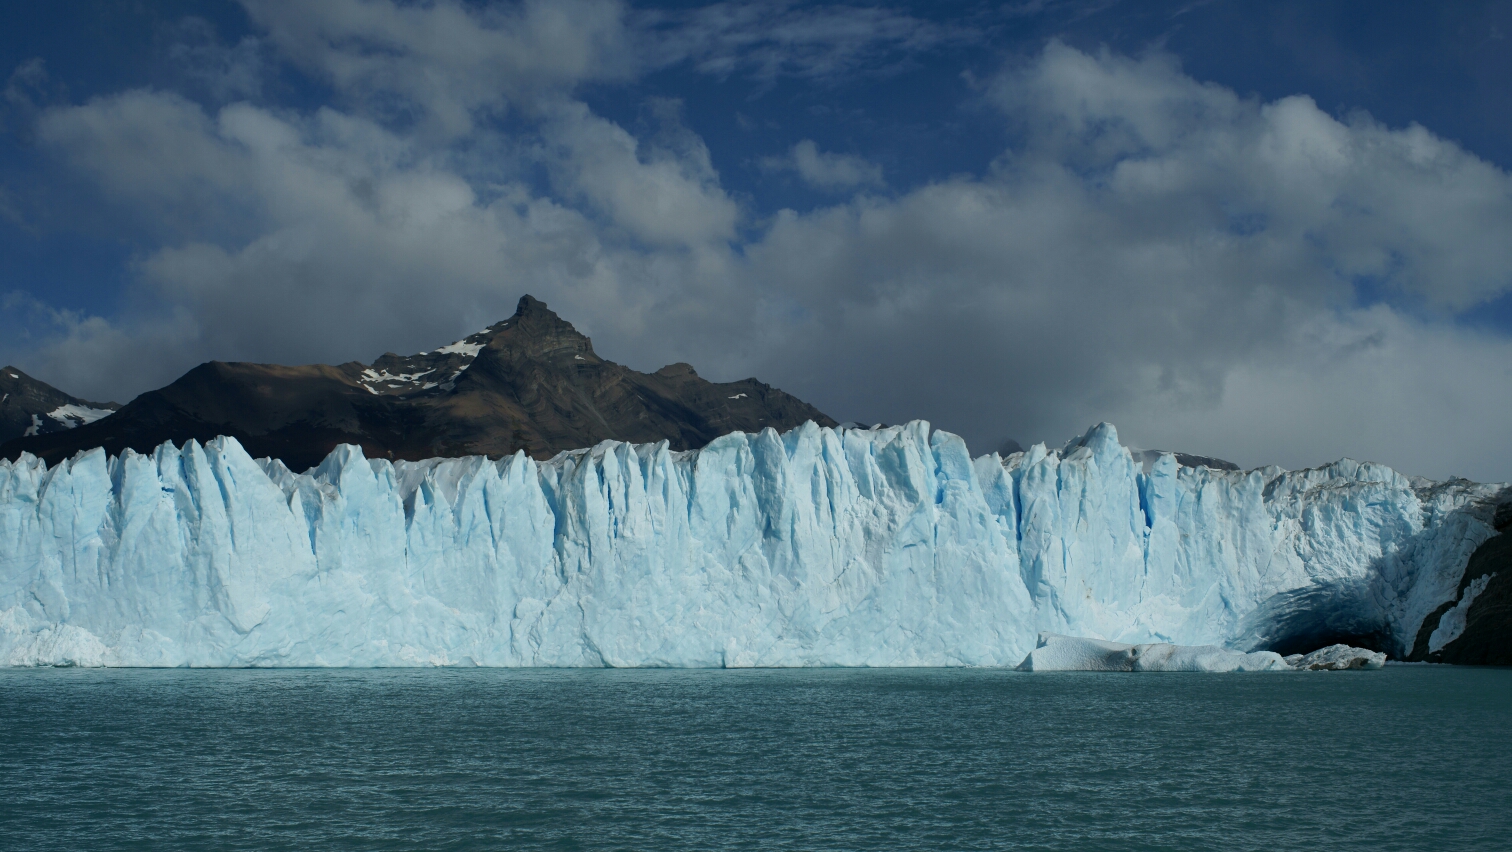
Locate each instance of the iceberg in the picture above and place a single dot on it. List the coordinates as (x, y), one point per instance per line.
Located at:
(817, 547)
(1056, 653)
(1337, 658)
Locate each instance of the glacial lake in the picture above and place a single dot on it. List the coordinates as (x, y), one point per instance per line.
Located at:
(1411, 757)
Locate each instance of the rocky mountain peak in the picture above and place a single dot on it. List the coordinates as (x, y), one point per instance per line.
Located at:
(529, 307)
(29, 406)
(537, 330)
(678, 370)
(531, 382)
(533, 332)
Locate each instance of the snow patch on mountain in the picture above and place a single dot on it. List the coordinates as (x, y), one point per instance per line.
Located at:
(371, 375)
(461, 347)
(77, 415)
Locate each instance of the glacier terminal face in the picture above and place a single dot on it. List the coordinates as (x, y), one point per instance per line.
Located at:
(818, 547)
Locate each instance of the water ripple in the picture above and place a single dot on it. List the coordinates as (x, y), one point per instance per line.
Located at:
(1407, 758)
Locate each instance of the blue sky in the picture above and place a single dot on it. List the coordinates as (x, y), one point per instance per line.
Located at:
(1272, 232)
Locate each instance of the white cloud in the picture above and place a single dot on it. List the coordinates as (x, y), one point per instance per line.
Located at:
(446, 60)
(225, 72)
(1161, 253)
(1155, 251)
(1403, 206)
(664, 197)
(1428, 397)
(156, 152)
(826, 171)
(355, 239)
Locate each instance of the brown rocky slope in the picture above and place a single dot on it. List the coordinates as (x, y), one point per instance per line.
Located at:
(30, 406)
(531, 383)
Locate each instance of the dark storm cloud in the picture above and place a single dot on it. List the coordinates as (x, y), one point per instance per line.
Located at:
(1155, 251)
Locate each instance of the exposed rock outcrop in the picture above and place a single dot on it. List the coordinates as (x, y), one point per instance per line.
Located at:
(531, 382)
(29, 406)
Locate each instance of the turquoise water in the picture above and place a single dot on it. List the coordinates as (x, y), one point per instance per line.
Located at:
(1405, 758)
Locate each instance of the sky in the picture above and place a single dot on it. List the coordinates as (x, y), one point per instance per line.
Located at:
(1276, 233)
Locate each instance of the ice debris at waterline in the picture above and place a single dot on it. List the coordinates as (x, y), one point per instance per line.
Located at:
(1337, 658)
(1056, 653)
(834, 547)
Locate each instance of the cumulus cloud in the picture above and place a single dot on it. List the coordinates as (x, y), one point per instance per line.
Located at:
(1153, 244)
(443, 62)
(337, 234)
(351, 233)
(826, 171)
(664, 196)
(1257, 280)
(1428, 397)
(1402, 208)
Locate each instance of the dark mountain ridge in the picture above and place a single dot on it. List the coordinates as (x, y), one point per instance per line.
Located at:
(531, 382)
(30, 406)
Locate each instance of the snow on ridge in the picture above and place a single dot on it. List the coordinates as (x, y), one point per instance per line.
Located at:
(461, 347)
(371, 377)
(819, 546)
(72, 415)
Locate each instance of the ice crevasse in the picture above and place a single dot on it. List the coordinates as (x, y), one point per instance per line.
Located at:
(818, 547)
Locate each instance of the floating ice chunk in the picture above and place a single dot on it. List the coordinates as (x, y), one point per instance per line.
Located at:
(24, 642)
(1337, 658)
(1057, 653)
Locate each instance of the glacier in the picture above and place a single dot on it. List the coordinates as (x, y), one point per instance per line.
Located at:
(818, 547)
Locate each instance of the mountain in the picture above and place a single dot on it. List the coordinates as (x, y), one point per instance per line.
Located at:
(32, 407)
(531, 383)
